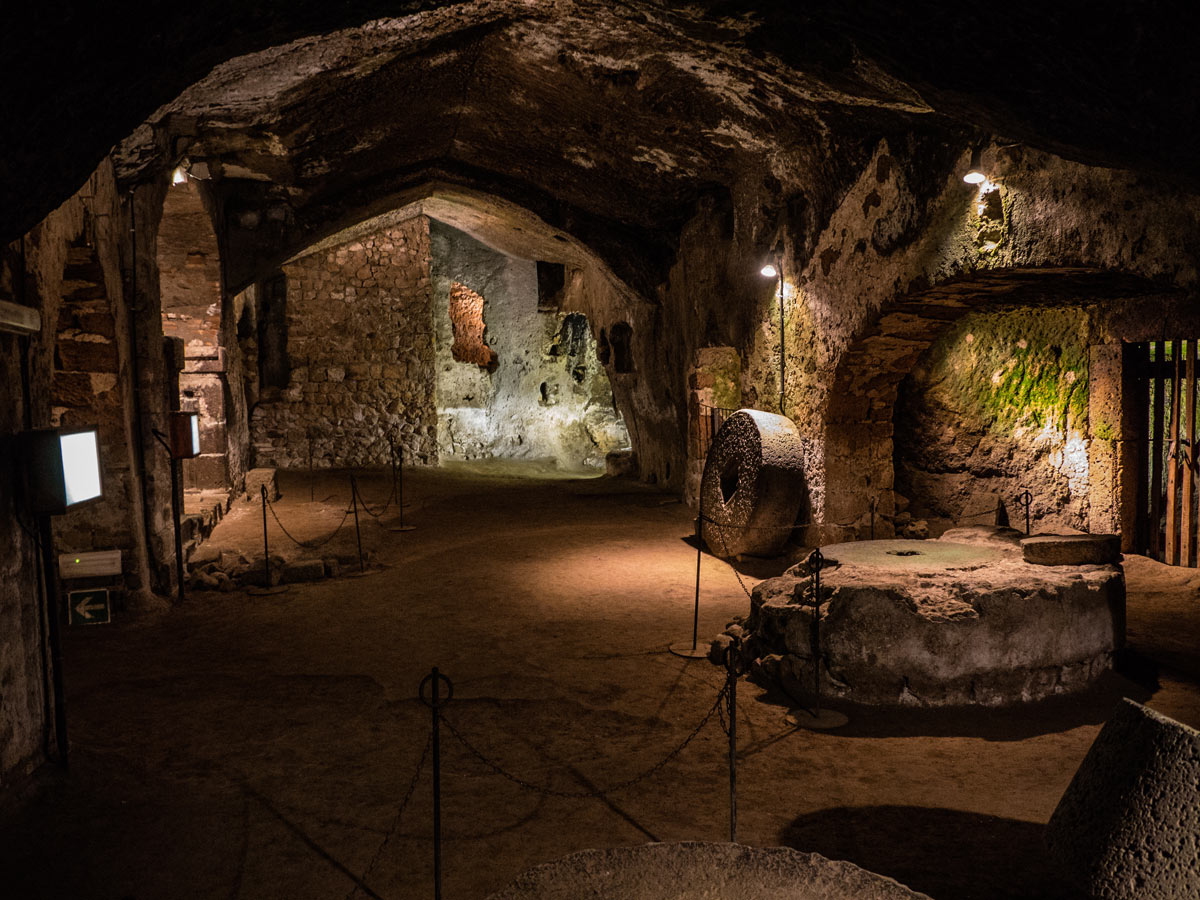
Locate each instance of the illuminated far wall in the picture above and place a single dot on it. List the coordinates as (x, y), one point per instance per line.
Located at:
(997, 404)
(515, 379)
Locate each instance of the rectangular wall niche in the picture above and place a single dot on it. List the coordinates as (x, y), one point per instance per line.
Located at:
(1162, 386)
(467, 326)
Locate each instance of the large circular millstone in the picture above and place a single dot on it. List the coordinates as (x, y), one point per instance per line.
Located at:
(753, 484)
(938, 623)
(697, 869)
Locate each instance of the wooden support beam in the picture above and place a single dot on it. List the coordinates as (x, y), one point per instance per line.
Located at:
(1153, 527)
(1172, 499)
(1187, 555)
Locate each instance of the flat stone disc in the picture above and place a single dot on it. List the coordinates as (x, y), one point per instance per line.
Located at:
(911, 556)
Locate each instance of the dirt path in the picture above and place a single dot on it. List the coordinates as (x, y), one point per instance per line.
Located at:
(258, 746)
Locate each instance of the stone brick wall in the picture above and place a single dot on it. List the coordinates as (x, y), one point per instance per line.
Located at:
(359, 318)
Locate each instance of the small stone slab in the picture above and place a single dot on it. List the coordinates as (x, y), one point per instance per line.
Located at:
(1128, 825)
(702, 870)
(1072, 549)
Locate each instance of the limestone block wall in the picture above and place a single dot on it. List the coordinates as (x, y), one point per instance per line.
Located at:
(360, 345)
(534, 388)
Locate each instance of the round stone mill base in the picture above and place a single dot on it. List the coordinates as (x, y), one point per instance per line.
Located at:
(702, 870)
(966, 619)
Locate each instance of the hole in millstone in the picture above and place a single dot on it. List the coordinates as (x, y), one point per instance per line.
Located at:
(904, 553)
(730, 479)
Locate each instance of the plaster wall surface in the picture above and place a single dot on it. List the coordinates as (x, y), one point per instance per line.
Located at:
(544, 395)
(359, 320)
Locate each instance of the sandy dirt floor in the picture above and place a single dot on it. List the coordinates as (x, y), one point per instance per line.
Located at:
(243, 746)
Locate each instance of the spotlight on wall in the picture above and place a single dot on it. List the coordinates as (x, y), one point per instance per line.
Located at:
(179, 176)
(975, 173)
(769, 271)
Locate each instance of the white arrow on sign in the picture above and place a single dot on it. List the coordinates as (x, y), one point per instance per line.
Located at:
(84, 608)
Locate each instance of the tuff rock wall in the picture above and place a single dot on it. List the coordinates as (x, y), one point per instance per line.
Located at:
(538, 391)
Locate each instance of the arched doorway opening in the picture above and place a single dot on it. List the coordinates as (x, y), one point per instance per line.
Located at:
(191, 287)
(968, 393)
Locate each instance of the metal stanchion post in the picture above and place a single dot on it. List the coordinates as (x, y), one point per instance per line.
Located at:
(1027, 501)
(267, 587)
(266, 544)
(398, 485)
(312, 490)
(731, 679)
(176, 491)
(693, 650)
(435, 703)
(816, 629)
(357, 532)
(816, 718)
(874, 503)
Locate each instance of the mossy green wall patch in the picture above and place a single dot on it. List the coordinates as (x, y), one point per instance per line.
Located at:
(1002, 371)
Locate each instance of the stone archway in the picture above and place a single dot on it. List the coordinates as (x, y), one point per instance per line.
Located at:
(858, 457)
(190, 279)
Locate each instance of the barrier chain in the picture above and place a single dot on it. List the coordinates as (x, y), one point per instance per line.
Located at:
(599, 793)
(308, 545)
(408, 795)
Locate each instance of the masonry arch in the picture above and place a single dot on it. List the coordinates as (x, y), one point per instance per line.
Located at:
(858, 495)
(194, 314)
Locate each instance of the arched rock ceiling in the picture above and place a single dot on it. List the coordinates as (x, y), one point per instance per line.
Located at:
(598, 116)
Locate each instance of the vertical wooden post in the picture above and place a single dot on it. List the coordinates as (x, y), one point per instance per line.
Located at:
(1157, 369)
(1188, 555)
(1135, 362)
(1172, 556)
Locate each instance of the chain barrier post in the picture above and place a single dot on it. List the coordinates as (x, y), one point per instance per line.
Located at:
(818, 559)
(731, 678)
(435, 703)
(1026, 499)
(357, 532)
(699, 555)
(312, 490)
(262, 489)
(874, 503)
(398, 483)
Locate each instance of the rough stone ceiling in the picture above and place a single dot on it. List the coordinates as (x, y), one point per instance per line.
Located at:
(625, 112)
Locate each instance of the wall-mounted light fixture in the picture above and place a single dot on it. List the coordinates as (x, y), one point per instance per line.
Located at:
(62, 468)
(179, 175)
(769, 271)
(184, 435)
(975, 173)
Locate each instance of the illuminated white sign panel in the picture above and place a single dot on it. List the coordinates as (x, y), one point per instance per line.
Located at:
(81, 466)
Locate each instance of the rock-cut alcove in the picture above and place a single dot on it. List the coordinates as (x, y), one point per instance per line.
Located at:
(517, 377)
